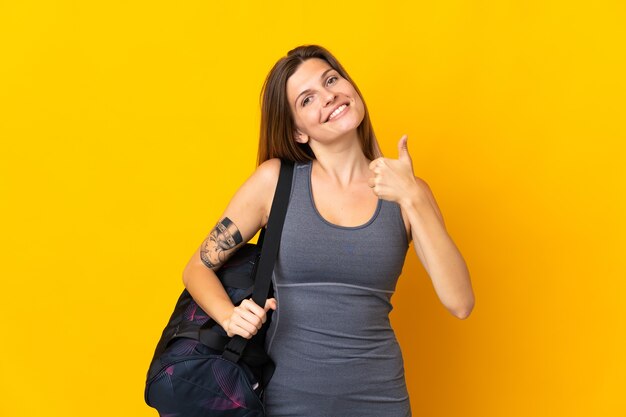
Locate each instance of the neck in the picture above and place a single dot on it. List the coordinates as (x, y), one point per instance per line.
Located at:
(343, 161)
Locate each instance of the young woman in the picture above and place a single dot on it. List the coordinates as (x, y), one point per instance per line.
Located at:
(351, 216)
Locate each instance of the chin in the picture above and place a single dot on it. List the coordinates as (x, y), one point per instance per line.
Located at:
(351, 124)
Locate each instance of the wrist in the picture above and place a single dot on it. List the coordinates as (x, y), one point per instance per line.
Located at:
(224, 319)
(414, 197)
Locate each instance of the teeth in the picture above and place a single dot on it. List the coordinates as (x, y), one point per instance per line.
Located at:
(336, 112)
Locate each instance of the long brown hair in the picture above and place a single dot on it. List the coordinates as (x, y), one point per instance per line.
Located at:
(277, 125)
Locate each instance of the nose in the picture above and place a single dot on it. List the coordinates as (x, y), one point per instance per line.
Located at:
(329, 97)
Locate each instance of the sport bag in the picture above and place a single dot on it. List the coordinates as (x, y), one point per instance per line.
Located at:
(196, 369)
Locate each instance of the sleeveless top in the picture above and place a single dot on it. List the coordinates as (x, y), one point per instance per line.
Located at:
(335, 352)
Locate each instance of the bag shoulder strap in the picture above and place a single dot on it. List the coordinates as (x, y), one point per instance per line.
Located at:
(271, 241)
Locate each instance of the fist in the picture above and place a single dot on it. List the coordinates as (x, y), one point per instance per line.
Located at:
(247, 318)
(393, 179)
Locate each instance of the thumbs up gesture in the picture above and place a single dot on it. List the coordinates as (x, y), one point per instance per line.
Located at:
(393, 179)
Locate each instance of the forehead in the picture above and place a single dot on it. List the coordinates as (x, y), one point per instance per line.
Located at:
(306, 76)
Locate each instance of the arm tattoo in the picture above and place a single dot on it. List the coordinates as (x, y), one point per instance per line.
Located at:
(223, 237)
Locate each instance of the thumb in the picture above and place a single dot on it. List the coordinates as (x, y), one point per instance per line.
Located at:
(403, 149)
(270, 303)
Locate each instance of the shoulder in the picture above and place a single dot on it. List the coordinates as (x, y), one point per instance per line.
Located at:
(268, 171)
(266, 178)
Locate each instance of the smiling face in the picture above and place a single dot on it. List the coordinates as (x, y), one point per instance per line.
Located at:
(324, 105)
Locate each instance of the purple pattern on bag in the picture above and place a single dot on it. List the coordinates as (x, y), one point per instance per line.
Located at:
(195, 314)
(217, 403)
(181, 390)
(223, 375)
(184, 347)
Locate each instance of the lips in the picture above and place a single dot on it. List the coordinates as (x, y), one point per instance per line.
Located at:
(335, 108)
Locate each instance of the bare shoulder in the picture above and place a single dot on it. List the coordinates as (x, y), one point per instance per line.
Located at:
(269, 171)
(266, 175)
(245, 214)
(252, 201)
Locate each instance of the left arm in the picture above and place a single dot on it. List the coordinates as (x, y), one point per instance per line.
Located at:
(394, 181)
(434, 246)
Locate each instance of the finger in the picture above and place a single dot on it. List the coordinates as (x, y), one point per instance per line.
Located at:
(376, 162)
(252, 319)
(250, 305)
(239, 322)
(371, 182)
(249, 317)
(270, 303)
(242, 331)
(244, 324)
(403, 149)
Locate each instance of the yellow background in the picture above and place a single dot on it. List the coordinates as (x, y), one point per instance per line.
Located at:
(127, 126)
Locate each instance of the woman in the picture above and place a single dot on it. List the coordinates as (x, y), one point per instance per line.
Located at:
(351, 216)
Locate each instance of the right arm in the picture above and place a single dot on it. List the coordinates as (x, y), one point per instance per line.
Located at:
(246, 213)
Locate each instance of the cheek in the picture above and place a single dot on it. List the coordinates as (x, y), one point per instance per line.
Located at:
(298, 121)
(349, 88)
(352, 93)
(296, 117)
(308, 117)
(360, 103)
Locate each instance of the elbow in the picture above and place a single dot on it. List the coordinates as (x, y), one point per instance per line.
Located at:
(463, 312)
(186, 274)
(462, 315)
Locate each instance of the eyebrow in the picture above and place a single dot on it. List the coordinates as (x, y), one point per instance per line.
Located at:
(309, 90)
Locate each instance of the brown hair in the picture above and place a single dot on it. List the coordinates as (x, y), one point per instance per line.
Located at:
(277, 125)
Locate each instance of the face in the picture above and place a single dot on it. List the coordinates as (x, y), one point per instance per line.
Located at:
(323, 103)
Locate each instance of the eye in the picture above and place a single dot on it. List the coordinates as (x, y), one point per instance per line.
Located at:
(334, 78)
(305, 101)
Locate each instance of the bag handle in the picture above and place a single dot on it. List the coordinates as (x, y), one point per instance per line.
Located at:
(270, 241)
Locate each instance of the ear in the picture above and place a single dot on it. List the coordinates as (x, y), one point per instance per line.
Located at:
(300, 137)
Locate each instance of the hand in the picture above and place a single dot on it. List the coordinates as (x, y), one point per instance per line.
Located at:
(247, 318)
(393, 178)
